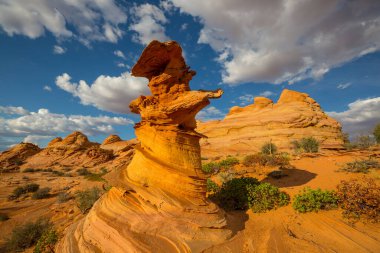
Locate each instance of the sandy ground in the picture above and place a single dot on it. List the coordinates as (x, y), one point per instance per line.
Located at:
(281, 230)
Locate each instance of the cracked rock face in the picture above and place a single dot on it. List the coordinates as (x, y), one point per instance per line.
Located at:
(160, 203)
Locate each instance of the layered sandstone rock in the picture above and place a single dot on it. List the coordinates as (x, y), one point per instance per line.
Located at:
(17, 155)
(160, 203)
(75, 151)
(245, 129)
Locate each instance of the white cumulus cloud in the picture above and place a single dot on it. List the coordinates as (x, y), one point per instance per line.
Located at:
(210, 113)
(120, 54)
(361, 116)
(86, 20)
(148, 21)
(18, 110)
(285, 40)
(107, 93)
(47, 88)
(58, 50)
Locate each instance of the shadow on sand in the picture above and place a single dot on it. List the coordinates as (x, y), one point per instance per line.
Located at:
(294, 177)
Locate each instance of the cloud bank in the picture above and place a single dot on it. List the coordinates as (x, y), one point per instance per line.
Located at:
(285, 40)
(112, 94)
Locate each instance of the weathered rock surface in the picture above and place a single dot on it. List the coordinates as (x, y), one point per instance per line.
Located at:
(160, 203)
(245, 129)
(74, 151)
(16, 156)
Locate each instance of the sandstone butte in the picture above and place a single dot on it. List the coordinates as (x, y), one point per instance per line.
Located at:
(245, 129)
(159, 203)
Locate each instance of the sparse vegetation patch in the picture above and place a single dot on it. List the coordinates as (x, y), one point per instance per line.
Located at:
(281, 159)
(264, 197)
(42, 193)
(362, 166)
(309, 200)
(360, 199)
(269, 148)
(308, 145)
(86, 199)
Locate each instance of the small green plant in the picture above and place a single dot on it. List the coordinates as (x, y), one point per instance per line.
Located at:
(83, 172)
(269, 148)
(361, 166)
(211, 186)
(308, 145)
(17, 192)
(376, 133)
(27, 235)
(264, 197)
(4, 217)
(46, 242)
(309, 200)
(281, 159)
(42, 193)
(86, 199)
(228, 162)
(63, 197)
(233, 194)
(364, 141)
(360, 199)
(211, 167)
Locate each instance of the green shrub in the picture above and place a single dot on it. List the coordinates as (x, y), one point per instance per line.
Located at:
(17, 192)
(362, 166)
(31, 187)
(360, 199)
(266, 160)
(233, 194)
(27, 235)
(211, 186)
(86, 199)
(211, 167)
(309, 200)
(83, 172)
(228, 162)
(364, 141)
(269, 148)
(225, 176)
(28, 170)
(42, 193)
(264, 197)
(4, 217)
(376, 133)
(308, 145)
(46, 242)
(63, 197)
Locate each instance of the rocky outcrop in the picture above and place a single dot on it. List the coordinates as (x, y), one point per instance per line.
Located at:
(73, 151)
(160, 204)
(111, 139)
(245, 129)
(14, 157)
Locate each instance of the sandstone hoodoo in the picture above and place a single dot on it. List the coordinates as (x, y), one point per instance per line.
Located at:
(160, 203)
(245, 129)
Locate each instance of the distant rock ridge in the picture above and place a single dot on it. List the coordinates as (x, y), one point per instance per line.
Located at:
(111, 139)
(17, 155)
(245, 129)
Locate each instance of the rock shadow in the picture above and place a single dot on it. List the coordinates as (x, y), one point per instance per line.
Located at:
(293, 177)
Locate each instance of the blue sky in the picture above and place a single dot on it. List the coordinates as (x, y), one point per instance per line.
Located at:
(64, 65)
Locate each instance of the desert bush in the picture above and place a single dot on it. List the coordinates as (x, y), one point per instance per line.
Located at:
(225, 176)
(211, 167)
(266, 160)
(83, 172)
(360, 199)
(361, 166)
(264, 197)
(42, 193)
(63, 197)
(29, 170)
(27, 235)
(58, 173)
(211, 186)
(86, 199)
(4, 217)
(309, 200)
(228, 162)
(376, 133)
(46, 242)
(269, 148)
(364, 141)
(17, 192)
(307, 144)
(233, 194)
